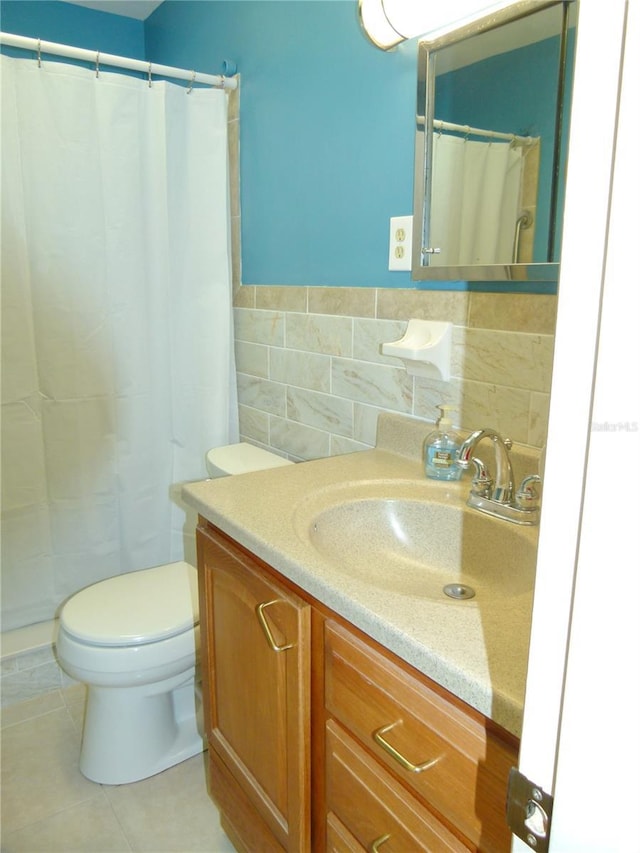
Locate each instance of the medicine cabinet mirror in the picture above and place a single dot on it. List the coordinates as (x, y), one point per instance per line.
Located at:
(491, 127)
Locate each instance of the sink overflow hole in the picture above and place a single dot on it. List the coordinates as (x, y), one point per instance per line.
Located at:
(459, 590)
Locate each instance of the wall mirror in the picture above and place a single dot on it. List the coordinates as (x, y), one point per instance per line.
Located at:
(491, 127)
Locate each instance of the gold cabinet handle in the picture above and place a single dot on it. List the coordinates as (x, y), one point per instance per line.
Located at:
(265, 625)
(377, 844)
(407, 765)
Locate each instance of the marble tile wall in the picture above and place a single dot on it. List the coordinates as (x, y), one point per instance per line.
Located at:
(30, 674)
(312, 380)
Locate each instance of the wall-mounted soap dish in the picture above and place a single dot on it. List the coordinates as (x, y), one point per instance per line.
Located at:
(425, 349)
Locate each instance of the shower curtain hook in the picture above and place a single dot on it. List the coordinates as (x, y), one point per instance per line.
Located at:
(97, 64)
(149, 75)
(193, 77)
(39, 55)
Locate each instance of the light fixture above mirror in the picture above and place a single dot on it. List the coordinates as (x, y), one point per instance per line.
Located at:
(389, 22)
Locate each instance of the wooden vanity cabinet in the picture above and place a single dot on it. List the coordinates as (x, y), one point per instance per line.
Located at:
(320, 739)
(451, 763)
(255, 660)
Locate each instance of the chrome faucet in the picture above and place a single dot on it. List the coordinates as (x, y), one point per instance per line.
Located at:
(498, 497)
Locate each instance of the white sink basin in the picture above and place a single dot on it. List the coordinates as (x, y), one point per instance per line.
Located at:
(395, 536)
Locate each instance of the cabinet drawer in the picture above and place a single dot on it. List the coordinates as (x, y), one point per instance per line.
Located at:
(339, 839)
(374, 807)
(449, 755)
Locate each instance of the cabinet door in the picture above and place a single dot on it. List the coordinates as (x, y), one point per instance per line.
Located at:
(256, 677)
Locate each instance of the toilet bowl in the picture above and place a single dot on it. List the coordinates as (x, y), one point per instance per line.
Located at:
(133, 639)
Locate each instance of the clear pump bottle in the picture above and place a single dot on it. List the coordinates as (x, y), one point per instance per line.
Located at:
(441, 449)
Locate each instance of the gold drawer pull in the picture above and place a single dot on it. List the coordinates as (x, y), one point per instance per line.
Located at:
(265, 626)
(407, 765)
(377, 844)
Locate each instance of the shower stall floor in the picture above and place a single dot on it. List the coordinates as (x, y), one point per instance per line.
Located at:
(29, 667)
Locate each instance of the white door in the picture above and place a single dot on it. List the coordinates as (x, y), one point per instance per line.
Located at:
(580, 738)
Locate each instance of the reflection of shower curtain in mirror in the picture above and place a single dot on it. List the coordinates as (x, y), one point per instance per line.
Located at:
(117, 351)
(475, 200)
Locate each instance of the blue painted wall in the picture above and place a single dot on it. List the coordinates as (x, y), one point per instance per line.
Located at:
(326, 133)
(51, 20)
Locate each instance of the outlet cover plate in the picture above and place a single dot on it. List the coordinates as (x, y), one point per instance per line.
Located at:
(400, 232)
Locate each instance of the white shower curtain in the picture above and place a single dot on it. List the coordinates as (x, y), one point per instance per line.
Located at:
(475, 200)
(117, 352)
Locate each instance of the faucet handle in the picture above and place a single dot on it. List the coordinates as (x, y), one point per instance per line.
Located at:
(528, 496)
(482, 483)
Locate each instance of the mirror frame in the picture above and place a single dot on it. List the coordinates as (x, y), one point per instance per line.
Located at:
(511, 273)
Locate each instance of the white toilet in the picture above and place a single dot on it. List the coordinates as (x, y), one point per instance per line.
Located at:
(133, 639)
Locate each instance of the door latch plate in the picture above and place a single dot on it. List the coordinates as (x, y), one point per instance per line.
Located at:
(529, 811)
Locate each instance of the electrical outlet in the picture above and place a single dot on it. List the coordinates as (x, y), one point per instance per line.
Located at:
(400, 230)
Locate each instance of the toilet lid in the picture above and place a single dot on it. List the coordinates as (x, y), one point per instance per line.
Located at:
(135, 608)
(241, 459)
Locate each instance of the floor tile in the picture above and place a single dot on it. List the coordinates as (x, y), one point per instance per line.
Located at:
(49, 807)
(75, 699)
(170, 812)
(40, 774)
(22, 711)
(89, 827)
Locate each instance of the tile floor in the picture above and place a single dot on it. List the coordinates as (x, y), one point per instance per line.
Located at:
(49, 807)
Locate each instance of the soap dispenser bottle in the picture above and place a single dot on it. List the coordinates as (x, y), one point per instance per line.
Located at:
(441, 449)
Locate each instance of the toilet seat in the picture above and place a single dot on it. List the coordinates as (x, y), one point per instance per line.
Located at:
(136, 608)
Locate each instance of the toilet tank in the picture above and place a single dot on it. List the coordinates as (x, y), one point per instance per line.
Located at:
(241, 458)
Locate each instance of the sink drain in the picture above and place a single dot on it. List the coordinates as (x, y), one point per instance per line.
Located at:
(460, 591)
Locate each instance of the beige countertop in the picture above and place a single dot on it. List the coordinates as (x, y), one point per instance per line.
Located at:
(477, 649)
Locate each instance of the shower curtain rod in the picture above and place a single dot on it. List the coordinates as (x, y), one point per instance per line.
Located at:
(100, 59)
(477, 131)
